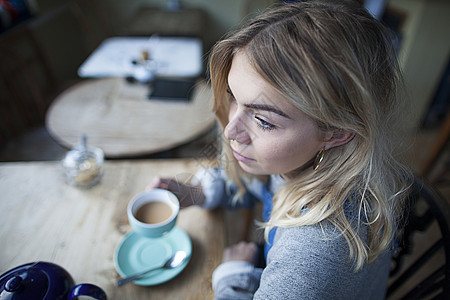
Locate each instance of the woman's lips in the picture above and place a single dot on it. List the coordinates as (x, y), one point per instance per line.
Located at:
(242, 158)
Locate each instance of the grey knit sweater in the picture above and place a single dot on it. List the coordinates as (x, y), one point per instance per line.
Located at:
(308, 262)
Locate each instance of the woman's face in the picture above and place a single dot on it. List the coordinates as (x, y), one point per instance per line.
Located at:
(268, 134)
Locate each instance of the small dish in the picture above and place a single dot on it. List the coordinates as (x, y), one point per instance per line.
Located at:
(136, 253)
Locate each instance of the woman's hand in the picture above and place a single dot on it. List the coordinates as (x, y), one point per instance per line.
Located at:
(242, 251)
(186, 193)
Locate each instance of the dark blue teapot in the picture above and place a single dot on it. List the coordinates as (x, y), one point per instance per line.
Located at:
(44, 281)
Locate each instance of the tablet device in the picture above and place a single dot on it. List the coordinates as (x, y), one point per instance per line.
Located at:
(172, 89)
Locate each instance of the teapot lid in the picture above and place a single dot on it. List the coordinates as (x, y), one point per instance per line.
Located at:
(38, 280)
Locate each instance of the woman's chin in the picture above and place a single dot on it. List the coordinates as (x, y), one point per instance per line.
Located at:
(252, 168)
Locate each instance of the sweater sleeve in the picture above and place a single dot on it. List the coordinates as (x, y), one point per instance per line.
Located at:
(219, 191)
(305, 263)
(236, 280)
(313, 262)
(308, 262)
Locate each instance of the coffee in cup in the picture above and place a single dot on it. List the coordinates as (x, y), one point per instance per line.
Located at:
(153, 213)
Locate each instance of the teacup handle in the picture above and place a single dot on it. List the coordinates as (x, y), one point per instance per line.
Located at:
(87, 289)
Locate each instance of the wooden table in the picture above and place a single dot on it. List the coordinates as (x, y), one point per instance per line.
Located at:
(117, 117)
(43, 219)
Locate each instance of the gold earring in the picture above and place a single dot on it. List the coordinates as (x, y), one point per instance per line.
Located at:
(319, 158)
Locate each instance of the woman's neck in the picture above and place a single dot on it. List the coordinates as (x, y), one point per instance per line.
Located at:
(296, 172)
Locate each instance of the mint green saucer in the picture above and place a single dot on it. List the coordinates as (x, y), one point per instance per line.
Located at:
(136, 253)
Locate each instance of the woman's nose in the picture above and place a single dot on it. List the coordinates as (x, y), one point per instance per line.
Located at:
(235, 130)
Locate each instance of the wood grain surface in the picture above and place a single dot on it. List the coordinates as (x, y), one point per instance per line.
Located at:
(44, 219)
(118, 118)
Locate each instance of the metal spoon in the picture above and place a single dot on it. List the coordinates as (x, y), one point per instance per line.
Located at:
(174, 261)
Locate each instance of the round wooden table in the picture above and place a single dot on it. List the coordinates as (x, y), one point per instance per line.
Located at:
(118, 117)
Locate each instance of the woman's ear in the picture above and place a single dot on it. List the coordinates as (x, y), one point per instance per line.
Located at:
(337, 137)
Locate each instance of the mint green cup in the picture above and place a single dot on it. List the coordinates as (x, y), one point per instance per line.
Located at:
(153, 229)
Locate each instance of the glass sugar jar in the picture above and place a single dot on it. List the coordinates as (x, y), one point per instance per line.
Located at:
(83, 165)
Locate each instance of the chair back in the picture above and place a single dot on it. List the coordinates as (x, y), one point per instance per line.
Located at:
(24, 80)
(421, 268)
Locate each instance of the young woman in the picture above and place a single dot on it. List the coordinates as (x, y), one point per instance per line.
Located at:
(307, 95)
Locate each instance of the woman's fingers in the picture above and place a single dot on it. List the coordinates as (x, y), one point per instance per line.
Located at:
(187, 194)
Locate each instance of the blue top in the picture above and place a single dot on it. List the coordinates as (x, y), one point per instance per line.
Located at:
(267, 198)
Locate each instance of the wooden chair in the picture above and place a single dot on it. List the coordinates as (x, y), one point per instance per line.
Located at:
(38, 60)
(24, 80)
(93, 21)
(437, 151)
(427, 208)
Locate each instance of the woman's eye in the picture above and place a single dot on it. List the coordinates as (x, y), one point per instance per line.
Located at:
(263, 124)
(229, 92)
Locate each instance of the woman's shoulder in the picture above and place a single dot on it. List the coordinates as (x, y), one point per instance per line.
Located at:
(304, 259)
(317, 237)
(321, 241)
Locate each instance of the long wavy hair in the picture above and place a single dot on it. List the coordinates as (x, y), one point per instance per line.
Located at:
(335, 63)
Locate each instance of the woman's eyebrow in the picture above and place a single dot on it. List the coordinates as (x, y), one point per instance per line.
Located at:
(267, 107)
(264, 107)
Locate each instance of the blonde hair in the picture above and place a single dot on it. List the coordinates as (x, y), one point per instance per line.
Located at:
(334, 62)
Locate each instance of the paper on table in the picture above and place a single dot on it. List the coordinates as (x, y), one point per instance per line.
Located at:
(174, 57)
